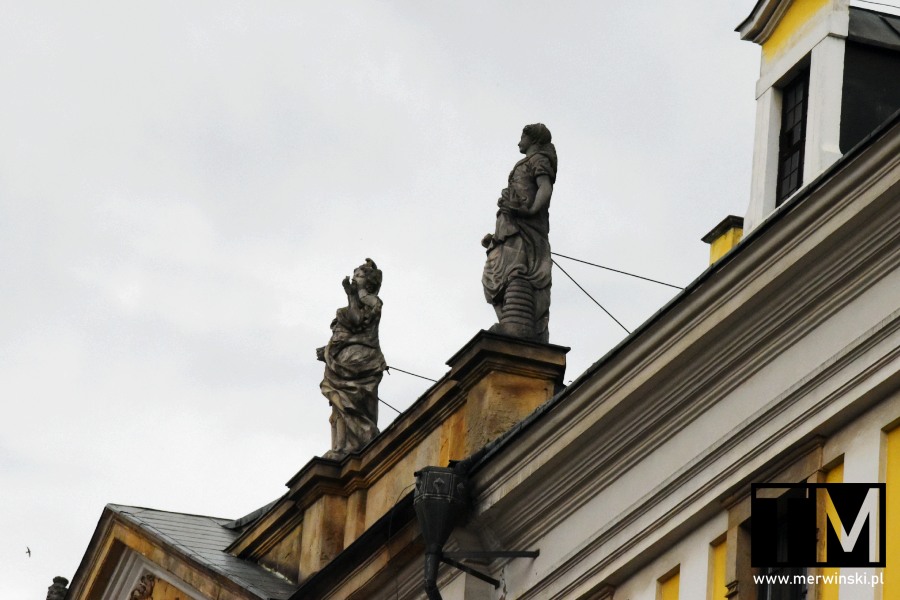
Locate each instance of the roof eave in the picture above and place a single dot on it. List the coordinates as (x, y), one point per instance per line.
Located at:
(759, 24)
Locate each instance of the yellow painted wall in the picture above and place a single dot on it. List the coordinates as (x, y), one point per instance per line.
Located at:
(668, 588)
(892, 478)
(163, 590)
(829, 591)
(322, 534)
(717, 588)
(390, 487)
(798, 14)
(453, 438)
(724, 243)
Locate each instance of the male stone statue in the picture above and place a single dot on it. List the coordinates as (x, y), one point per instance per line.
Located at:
(354, 363)
(516, 276)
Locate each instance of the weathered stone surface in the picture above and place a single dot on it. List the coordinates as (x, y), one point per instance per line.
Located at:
(354, 363)
(322, 533)
(284, 557)
(505, 381)
(517, 272)
(58, 590)
(144, 589)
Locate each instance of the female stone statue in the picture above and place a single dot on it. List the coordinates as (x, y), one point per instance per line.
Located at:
(516, 276)
(354, 363)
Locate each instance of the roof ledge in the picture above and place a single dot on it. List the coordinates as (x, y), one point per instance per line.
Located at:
(758, 26)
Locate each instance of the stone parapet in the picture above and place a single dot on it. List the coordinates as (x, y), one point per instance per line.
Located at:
(494, 382)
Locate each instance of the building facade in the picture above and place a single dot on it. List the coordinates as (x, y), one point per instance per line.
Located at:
(779, 364)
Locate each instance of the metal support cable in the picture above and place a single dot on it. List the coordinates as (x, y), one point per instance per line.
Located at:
(408, 373)
(389, 406)
(881, 4)
(591, 297)
(617, 271)
(413, 374)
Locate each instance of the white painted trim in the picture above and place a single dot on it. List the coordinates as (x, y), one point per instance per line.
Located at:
(823, 120)
(764, 179)
(825, 47)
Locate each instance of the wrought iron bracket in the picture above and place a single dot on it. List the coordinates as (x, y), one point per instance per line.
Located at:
(475, 554)
(450, 559)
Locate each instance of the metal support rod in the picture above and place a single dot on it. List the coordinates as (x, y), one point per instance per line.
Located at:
(475, 554)
(471, 571)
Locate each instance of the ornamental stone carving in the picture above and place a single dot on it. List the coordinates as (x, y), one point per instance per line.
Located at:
(144, 589)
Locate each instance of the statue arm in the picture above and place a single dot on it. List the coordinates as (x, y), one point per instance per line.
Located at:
(542, 197)
(354, 315)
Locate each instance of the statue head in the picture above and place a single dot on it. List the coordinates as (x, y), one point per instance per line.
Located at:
(370, 274)
(538, 133)
(537, 136)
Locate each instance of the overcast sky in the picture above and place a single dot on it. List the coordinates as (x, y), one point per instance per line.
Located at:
(183, 185)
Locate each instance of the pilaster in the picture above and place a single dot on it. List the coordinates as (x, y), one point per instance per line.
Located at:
(826, 82)
(323, 533)
(504, 379)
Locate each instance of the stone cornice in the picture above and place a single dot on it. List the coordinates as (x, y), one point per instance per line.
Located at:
(756, 464)
(488, 351)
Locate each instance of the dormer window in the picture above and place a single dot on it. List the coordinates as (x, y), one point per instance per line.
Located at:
(794, 102)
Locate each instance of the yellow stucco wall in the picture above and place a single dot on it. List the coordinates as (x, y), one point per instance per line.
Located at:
(668, 588)
(829, 591)
(163, 590)
(724, 243)
(792, 24)
(390, 487)
(322, 534)
(892, 560)
(718, 589)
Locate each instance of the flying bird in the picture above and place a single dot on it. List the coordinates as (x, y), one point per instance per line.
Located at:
(28, 551)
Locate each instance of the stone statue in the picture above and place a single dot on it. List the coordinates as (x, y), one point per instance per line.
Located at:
(516, 276)
(354, 363)
(58, 590)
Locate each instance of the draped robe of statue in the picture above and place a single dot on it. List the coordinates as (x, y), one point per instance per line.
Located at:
(353, 369)
(519, 248)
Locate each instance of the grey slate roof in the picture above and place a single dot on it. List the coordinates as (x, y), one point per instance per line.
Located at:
(204, 539)
(875, 28)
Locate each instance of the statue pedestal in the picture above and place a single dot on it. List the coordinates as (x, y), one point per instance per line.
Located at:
(504, 380)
